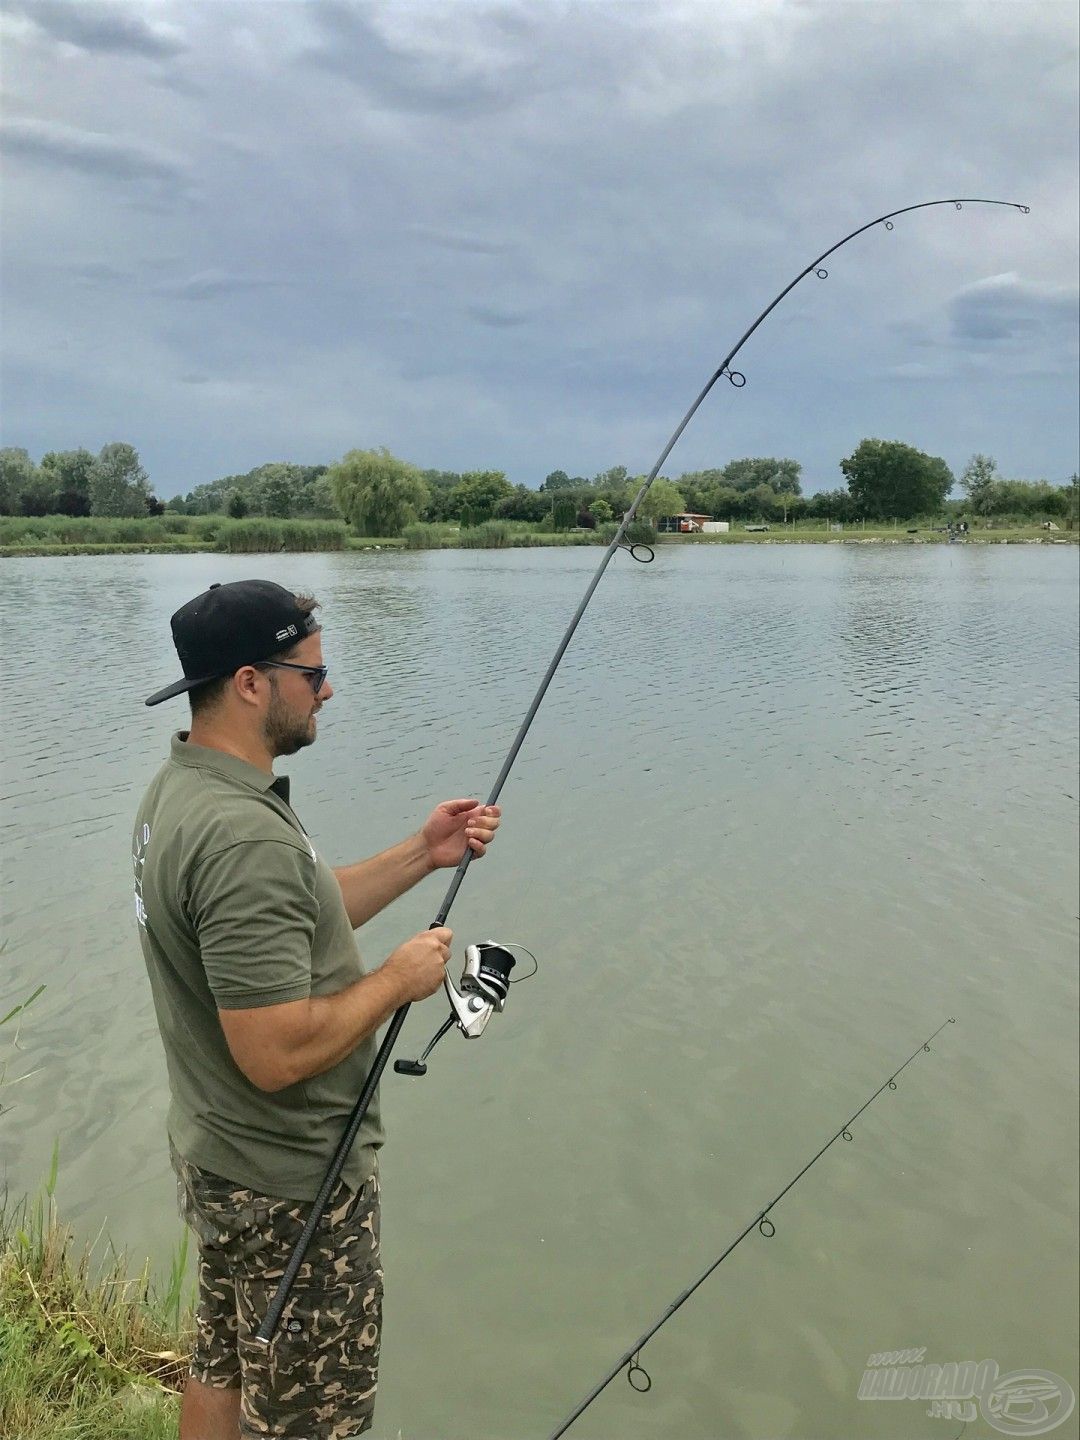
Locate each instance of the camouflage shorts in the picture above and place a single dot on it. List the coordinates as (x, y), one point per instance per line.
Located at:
(317, 1379)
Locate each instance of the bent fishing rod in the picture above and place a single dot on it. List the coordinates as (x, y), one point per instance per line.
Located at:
(484, 984)
(630, 1361)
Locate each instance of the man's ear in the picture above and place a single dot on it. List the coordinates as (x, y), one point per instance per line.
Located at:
(245, 684)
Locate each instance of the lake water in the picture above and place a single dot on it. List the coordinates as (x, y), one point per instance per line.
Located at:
(783, 812)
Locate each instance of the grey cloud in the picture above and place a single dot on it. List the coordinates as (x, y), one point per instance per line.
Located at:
(107, 28)
(99, 273)
(216, 284)
(49, 143)
(497, 317)
(1005, 308)
(522, 234)
(460, 241)
(351, 46)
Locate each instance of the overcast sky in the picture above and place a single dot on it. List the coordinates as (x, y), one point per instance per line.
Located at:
(520, 236)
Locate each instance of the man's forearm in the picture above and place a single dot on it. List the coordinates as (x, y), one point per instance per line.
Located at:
(370, 885)
(336, 1024)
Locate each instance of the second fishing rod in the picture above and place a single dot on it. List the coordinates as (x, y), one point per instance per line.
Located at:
(486, 978)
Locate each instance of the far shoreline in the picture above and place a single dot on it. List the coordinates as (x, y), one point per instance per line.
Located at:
(1025, 536)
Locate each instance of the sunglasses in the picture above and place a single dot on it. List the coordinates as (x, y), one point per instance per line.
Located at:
(316, 673)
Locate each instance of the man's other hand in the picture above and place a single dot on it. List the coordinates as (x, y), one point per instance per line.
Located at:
(456, 825)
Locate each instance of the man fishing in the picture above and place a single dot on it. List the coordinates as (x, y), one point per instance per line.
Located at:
(268, 1018)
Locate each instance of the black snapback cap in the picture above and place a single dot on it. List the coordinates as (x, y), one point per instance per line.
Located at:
(233, 625)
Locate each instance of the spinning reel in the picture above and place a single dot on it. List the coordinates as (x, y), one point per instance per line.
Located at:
(485, 984)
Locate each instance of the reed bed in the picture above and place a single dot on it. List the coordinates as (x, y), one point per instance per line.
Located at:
(61, 534)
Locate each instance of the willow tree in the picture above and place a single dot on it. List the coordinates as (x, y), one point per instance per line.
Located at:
(376, 492)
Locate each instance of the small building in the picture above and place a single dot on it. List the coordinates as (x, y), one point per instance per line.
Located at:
(685, 524)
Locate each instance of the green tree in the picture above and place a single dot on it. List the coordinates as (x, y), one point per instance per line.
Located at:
(563, 512)
(38, 494)
(1030, 498)
(832, 505)
(890, 480)
(763, 503)
(377, 493)
(441, 504)
(613, 479)
(524, 504)
(557, 480)
(118, 482)
(237, 507)
(323, 506)
(16, 472)
(977, 482)
(662, 499)
(478, 492)
(278, 490)
(748, 474)
(601, 510)
(71, 471)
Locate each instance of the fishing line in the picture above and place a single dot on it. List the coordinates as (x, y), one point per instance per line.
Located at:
(737, 379)
(638, 1377)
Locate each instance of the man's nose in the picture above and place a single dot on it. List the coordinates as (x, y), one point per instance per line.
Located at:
(325, 691)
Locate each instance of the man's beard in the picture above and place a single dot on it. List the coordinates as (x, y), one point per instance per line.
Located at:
(284, 731)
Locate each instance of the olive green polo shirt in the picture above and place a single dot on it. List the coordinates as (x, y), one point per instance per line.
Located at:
(236, 910)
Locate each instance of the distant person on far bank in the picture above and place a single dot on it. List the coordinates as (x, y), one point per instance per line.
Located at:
(268, 1019)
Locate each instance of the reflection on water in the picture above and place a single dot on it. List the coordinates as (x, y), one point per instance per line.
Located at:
(781, 812)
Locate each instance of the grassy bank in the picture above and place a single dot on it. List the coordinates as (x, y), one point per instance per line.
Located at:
(166, 534)
(215, 534)
(86, 1351)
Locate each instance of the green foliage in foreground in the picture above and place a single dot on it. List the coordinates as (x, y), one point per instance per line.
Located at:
(85, 1353)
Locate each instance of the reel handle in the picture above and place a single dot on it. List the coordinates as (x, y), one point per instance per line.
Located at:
(417, 1067)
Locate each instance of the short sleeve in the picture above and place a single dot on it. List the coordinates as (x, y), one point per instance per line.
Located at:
(254, 910)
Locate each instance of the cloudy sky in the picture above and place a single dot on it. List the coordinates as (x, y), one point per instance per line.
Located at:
(521, 235)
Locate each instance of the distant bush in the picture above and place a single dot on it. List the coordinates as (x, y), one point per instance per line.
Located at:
(640, 532)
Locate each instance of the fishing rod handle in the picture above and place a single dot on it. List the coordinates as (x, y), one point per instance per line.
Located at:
(272, 1318)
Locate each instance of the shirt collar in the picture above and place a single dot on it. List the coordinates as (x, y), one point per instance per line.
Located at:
(203, 757)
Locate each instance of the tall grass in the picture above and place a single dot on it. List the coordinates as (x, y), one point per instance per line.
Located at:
(86, 1353)
(33, 530)
(13, 1018)
(249, 537)
(197, 532)
(422, 536)
(493, 535)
